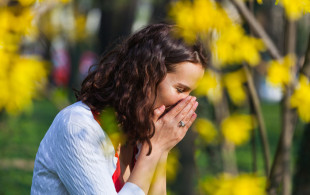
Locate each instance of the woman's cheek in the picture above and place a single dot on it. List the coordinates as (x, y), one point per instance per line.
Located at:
(174, 98)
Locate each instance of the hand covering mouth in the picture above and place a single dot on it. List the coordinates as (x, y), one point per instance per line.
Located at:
(168, 108)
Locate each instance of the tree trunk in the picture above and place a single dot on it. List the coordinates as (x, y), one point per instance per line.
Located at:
(280, 171)
(302, 175)
(116, 21)
(227, 149)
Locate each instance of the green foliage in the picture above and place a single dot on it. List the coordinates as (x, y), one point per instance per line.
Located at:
(20, 137)
(15, 182)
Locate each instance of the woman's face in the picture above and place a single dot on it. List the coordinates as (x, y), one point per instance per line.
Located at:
(178, 84)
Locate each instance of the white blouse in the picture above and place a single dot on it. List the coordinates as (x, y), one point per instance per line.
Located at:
(76, 157)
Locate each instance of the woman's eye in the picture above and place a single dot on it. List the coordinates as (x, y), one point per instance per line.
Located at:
(180, 90)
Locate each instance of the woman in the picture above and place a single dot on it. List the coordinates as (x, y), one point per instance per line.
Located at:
(146, 80)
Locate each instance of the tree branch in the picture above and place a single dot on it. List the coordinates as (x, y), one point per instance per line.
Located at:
(227, 149)
(306, 66)
(260, 119)
(281, 166)
(257, 28)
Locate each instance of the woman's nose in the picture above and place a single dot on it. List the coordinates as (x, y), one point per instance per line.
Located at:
(183, 97)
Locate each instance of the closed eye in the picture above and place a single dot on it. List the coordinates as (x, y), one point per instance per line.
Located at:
(180, 90)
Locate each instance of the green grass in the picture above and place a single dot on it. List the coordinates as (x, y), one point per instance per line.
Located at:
(14, 181)
(20, 137)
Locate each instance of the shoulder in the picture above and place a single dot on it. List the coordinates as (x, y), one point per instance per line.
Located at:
(75, 125)
(77, 113)
(77, 119)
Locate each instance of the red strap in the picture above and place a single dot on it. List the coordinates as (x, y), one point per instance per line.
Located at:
(96, 116)
(116, 177)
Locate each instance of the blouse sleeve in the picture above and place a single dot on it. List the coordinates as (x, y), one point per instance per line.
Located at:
(82, 164)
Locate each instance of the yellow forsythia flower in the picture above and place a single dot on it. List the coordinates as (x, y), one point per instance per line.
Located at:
(236, 128)
(234, 83)
(210, 86)
(279, 72)
(26, 2)
(205, 129)
(182, 13)
(25, 21)
(6, 17)
(234, 46)
(20, 83)
(225, 184)
(5, 61)
(9, 42)
(56, 1)
(295, 9)
(258, 1)
(229, 43)
(20, 76)
(9, 39)
(300, 99)
(198, 17)
(204, 13)
(65, 1)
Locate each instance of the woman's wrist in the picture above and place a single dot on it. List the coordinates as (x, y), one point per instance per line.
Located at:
(164, 156)
(145, 167)
(156, 151)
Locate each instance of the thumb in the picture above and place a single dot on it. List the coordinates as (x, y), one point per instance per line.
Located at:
(158, 112)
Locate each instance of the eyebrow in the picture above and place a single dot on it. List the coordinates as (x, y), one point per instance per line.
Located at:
(186, 88)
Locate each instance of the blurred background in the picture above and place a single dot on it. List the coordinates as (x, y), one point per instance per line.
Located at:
(251, 135)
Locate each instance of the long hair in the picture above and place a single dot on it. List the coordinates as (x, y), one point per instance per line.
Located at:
(127, 77)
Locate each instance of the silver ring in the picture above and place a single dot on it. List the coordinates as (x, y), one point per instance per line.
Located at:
(181, 124)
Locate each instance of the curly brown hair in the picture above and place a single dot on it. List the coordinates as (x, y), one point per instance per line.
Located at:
(127, 77)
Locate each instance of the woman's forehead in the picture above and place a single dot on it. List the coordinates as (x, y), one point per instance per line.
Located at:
(185, 73)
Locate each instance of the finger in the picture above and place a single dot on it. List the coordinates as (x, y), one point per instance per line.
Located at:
(188, 116)
(158, 112)
(190, 122)
(175, 110)
(185, 110)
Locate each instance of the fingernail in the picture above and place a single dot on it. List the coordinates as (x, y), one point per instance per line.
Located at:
(194, 98)
(162, 108)
(188, 98)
